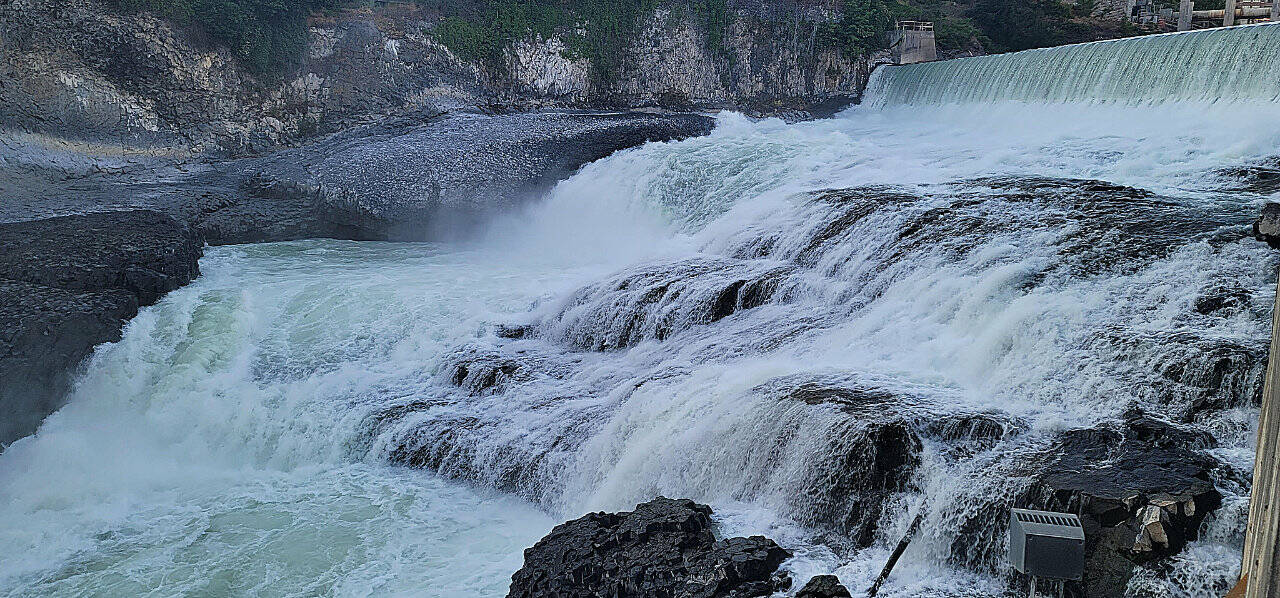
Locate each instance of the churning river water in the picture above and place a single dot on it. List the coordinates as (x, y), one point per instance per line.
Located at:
(305, 419)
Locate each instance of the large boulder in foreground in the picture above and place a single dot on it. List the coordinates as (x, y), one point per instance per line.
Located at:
(1142, 488)
(824, 586)
(70, 283)
(663, 548)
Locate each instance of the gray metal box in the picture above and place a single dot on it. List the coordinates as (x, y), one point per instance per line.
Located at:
(1046, 545)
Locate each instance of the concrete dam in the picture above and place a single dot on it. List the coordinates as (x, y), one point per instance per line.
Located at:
(1236, 64)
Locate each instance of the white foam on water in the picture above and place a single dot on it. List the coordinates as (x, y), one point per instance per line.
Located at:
(224, 447)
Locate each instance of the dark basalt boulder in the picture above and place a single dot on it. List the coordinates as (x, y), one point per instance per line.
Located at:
(1141, 489)
(143, 252)
(665, 548)
(824, 586)
(68, 284)
(1267, 227)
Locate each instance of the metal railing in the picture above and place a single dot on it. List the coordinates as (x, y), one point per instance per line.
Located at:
(914, 26)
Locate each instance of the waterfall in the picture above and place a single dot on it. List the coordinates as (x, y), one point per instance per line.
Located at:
(1237, 64)
(818, 328)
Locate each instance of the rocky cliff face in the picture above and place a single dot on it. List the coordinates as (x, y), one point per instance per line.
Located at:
(766, 67)
(74, 69)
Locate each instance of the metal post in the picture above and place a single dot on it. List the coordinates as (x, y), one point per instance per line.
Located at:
(1184, 14)
(1275, 10)
(1260, 564)
(897, 553)
(1229, 15)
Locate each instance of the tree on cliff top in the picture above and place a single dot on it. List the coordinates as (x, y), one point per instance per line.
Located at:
(1013, 25)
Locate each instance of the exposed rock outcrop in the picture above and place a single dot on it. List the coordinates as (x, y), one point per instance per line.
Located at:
(823, 586)
(665, 547)
(1267, 227)
(78, 69)
(68, 284)
(436, 180)
(1141, 489)
(402, 180)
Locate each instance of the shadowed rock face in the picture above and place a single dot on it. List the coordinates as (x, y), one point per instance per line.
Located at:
(78, 69)
(824, 586)
(1142, 490)
(1141, 486)
(663, 548)
(68, 284)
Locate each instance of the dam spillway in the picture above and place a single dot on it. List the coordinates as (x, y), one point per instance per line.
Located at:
(995, 269)
(1238, 64)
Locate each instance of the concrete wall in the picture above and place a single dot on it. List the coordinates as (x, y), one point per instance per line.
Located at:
(910, 47)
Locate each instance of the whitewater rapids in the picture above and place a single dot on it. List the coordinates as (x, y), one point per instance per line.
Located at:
(364, 419)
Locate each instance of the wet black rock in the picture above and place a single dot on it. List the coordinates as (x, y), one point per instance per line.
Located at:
(1142, 488)
(664, 548)
(1194, 373)
(824, 586)
(873, 451)
(1222, 300)
(655, 301)
(70, 283)
(1267, 227)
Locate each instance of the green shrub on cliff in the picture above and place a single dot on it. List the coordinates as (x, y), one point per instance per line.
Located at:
(597, 30)
(861, 28)
(266, 35)
(1015, 25)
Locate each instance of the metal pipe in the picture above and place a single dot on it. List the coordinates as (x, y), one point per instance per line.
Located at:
(897, 554)
(1241, 13)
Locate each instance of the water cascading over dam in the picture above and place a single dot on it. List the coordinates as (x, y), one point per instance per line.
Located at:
(1211, 65)
(932, 301)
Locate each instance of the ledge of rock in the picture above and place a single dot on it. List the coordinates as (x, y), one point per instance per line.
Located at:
(1267, 227)
(664, 548)
(429, 177)
(424, 181)
(824, 586)
(70, 283)
(1141, 489)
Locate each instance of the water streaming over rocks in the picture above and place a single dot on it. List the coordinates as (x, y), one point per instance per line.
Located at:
(818, 329)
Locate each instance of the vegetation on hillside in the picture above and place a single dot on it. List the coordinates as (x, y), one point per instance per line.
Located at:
(1012, 25)
(597, 30)
(268, 36)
